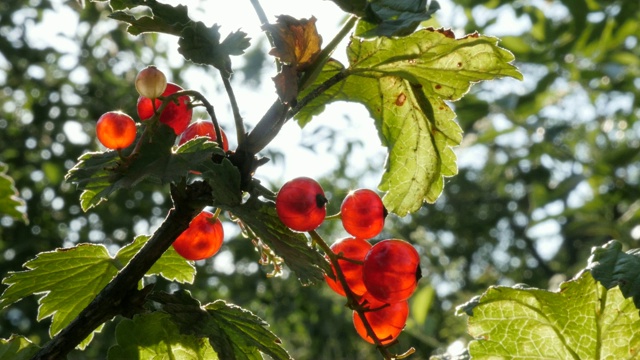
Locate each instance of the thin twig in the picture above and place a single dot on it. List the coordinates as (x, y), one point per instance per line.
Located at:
(241, 133)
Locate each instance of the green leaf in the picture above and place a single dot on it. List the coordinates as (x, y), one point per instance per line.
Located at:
(201, 44)
(581, 321)
(155, 336)
(612, 267)
(261, 217)
(67, 280)
(99, 174)
(10, 203)
(170, 266)
(234, 333)
(124, 4)
(222, 176)
(17, 348)
(165, 18)
(404, 83)
(396, 17)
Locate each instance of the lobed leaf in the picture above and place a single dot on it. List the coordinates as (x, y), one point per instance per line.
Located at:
(613, 267)
(396, 17)
(202, 45)
(165, 18)
(67, 280)
(389, 17)
(10, 203)
(156, 336)
(99, 174)
(581, 321)
(234, 333)
(17, 348)
(261, 217)
(170, 266)
(404, 83)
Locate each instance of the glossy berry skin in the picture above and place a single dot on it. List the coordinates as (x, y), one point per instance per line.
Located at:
(362, 213)
(202, 239)
(177, 116)
(116, 130)
(386, 320)
(354, 249)
(391, 270)
(203, 128)
(151, 82)
(301, 204)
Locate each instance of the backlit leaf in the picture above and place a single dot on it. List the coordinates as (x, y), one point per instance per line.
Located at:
(10, 203)
(155, 336)
(170, 266)
(581, 321)
(17, 348)
(67, 280)
(234, 333)
(404, 83)
(296, 42)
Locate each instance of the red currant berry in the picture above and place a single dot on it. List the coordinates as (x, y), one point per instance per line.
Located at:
(362, 213)
(301, 204)
(203, 128)
(116, 130)
(386, 320)
(391, 270)
(151, 82)
(177, 116)
(353, 249)
(202, 239)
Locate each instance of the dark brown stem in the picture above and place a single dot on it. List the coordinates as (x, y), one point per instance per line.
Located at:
(317, 92)
(114, 298)
(266, 129)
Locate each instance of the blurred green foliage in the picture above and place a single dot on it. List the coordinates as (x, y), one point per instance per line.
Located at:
(549, 167)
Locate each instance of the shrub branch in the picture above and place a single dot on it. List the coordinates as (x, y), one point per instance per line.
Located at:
(117, 297)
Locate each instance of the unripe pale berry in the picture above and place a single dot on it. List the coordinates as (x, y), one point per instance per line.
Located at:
(151, 82)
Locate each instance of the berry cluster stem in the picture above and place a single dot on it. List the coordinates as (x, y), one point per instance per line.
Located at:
(352, 299)
(207, 105)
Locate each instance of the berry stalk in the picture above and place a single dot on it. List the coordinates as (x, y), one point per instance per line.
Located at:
(352, 299)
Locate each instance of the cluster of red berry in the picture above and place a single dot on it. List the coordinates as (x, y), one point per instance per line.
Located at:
(117, 130)
(381, 277)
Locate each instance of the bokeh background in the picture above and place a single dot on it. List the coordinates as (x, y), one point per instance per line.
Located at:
(549, 167)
